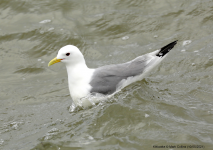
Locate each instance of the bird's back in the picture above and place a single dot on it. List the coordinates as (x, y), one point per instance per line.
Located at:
(105, 79)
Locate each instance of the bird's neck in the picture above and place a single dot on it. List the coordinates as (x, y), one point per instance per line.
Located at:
(76, 71)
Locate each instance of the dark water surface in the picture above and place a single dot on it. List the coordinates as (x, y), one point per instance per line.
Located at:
(173, 106)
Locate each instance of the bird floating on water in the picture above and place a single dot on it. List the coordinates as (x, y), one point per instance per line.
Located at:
(105, 80)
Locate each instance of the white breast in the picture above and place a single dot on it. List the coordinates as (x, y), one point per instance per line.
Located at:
(78, 79)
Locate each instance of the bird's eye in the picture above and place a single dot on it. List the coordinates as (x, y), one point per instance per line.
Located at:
(67, 54)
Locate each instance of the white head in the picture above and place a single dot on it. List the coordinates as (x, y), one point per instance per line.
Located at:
(70, 55)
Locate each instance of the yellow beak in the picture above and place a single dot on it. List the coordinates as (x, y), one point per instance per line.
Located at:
(53, 61)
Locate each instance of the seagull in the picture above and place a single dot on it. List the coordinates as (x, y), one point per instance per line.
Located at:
(105, 80)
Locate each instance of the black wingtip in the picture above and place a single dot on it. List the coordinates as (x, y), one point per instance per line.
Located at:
(164, 50)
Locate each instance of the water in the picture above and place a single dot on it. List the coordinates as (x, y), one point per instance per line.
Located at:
(171, 107)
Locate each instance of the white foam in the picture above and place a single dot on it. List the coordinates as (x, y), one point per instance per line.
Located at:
(1, 141)
(50, 29)
(125, 38)
(41, 32)
(146, 115)
(90, 137)
(92, 100)
(186, 42)
(72, 107)
(45, 21)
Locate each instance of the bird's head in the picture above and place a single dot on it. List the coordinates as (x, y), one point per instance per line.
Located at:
(70, 55)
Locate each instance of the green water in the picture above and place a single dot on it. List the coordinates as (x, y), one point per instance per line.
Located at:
(173, 106)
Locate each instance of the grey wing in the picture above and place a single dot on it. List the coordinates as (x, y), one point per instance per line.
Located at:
(105, 79)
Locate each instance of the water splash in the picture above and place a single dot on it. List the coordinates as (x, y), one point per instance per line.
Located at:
(72, 107)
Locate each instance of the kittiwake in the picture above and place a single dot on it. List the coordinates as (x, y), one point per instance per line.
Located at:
(106, 80)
